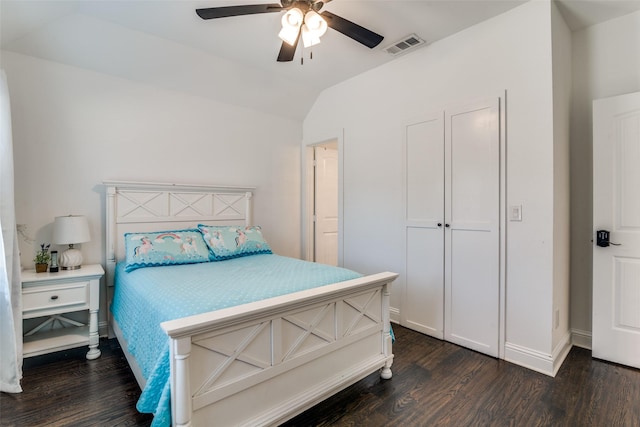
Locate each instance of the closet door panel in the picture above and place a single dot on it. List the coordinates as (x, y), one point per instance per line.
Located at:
(473, 295)
(474, 167)
(423, 305)
(424, 174)
(472, 236)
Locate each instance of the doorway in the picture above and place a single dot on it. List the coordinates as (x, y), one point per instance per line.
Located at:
(323, 206)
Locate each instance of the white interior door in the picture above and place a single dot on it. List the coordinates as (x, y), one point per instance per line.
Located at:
(616, 208)
(326, 205)
(472, 234)
(423, 305)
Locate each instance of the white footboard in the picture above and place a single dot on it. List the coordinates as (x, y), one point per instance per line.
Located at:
(265, 362)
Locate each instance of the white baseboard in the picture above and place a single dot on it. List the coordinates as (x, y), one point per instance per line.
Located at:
(103, 329)
(581, 338)
(561, 352)
(547, 364)
(544, 363)
(394, 315)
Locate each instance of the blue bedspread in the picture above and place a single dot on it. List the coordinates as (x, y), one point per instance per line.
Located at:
(146, 297)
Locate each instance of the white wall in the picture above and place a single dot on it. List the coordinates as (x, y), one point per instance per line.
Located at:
(561, 50)
(511, 52)
(74, 128)
(606, 62)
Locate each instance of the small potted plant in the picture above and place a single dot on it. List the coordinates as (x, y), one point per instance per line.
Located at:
(42, 258)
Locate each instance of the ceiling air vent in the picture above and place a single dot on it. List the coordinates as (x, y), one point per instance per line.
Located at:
(406, 44)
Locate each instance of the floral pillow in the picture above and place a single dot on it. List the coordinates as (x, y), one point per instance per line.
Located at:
(164, 248)
(226, 242)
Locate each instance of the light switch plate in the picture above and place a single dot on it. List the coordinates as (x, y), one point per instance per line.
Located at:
(515, 213)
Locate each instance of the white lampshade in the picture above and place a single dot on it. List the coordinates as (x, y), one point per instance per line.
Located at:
(315, 23)
(69, 230)
(291, 22)
(293, 18)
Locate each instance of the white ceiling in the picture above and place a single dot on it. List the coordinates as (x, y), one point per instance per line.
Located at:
(233, 60)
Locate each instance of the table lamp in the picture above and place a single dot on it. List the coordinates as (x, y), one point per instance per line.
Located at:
(70, 230)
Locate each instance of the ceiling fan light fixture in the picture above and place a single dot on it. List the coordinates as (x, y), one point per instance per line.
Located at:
(315, 23)
(313, 28)
(291, 22)
(293, 18)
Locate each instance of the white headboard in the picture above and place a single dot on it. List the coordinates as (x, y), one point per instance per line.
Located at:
(143, 206)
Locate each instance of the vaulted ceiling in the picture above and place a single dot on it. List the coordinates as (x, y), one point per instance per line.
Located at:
(233, 60)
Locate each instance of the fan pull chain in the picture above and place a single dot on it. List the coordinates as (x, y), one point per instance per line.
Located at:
(302, 56)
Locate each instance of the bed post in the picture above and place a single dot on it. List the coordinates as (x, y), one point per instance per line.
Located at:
(248, 217)
(181, 388)
(110, 239)
(110, 225)
(386, 333)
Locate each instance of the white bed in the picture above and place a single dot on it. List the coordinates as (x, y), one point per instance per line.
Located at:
(290, 377)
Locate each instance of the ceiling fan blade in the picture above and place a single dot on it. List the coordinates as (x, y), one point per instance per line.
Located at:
(226, 11)
(350, 29)
(287, 52)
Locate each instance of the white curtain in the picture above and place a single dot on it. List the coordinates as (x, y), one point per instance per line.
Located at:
(10, 284)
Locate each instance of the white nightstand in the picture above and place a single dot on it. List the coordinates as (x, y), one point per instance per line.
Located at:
(51, 295)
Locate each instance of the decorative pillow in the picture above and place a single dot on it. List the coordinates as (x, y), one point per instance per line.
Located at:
(165, 248)
(226, 242)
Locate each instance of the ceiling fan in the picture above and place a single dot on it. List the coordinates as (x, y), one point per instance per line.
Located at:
(301, 18)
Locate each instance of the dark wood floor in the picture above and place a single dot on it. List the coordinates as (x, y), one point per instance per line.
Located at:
(434, 383)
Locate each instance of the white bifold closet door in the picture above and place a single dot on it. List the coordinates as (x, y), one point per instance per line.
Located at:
(452, 226)
(423, 305)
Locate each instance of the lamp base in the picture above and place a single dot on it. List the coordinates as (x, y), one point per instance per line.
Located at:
(71, 259)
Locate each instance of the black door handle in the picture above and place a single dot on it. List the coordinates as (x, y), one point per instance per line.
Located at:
(602, 239)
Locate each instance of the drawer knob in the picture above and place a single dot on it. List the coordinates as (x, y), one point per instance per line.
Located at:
(54, 297)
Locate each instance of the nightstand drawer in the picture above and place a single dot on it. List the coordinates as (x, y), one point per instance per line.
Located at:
(46, 300)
